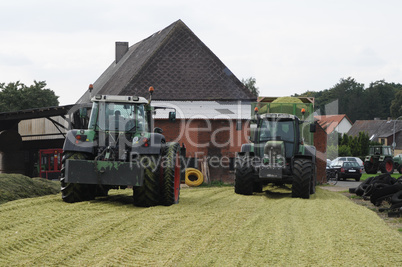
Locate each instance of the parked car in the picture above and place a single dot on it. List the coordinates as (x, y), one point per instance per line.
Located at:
(340, 160)
(345, 169)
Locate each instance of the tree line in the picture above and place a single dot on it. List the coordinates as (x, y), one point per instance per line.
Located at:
(344, 145)
(18, 96)
(380, 100)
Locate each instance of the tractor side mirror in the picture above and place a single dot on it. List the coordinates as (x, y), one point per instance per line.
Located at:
(158, 130)
(253, 130)
(172, 116)
(312, 128)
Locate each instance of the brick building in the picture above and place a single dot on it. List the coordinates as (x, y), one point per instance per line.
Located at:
(320, 142)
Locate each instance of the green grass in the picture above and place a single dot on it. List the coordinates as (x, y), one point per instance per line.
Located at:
(211, 226)
(215, 184)
(365, 175)
(17, 186)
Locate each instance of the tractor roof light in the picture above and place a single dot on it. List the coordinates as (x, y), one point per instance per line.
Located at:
(255, 109)
(151, 90)
(303, 110)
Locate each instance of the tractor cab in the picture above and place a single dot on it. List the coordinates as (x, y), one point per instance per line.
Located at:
(119, 114)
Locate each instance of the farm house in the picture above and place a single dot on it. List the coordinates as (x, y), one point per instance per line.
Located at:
(213, 106)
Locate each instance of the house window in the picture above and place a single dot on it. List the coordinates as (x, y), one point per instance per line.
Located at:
(382, 141)
(238, 125)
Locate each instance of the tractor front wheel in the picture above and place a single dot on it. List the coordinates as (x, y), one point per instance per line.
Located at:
(244, 183)
(71, 192)
(370, 168)
(171, 175)
(302, 173)
(148, 195)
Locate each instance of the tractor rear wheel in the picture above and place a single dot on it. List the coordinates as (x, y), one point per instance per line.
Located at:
(302, 173)
(148, 195)
(171, 175)
(370, 168)
(387, 166)
(244, 183)
(71, 192)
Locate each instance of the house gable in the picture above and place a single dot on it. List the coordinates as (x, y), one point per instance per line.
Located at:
(340, 123)
(177, 64)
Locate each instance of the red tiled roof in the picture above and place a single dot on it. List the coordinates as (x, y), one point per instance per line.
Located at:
(330, 122)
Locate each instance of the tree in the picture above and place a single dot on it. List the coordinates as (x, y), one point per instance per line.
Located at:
(364, 143)
(344, 151)
(360, 103)
(250, 83)
(396, 105)
(378, 98)
(18, 96)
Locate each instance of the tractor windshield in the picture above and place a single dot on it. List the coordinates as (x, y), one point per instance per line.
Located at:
(277, 130)
(280, 130)
(119, 117)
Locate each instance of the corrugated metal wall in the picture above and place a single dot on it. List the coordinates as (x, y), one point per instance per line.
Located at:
(41, 126)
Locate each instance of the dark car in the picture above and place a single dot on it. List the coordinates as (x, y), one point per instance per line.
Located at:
(346, 169)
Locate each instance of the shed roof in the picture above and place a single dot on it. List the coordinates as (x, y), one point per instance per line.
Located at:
(177, 64)
(378, 128)
(205, 109)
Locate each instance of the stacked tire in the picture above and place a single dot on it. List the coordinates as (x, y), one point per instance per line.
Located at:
(382, 189)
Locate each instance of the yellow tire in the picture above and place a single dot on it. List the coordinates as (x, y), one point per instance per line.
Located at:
(194, 177)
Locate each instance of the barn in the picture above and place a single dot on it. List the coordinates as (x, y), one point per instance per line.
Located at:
(213, 106)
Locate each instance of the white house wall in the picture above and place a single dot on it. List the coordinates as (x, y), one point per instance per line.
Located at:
(344, 126)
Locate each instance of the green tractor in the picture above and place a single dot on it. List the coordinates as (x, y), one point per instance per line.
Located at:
(277, 154)
(118, 150)
(379, 158)
(398, 163)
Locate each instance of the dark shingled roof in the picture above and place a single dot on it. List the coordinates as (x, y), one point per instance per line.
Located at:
(378, 129)
(177, 64)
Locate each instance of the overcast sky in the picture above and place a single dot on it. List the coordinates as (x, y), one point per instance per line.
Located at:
(289, 46)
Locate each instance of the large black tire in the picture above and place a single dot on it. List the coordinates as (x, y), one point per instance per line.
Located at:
(397, 197)
(244, 183)
(71, 192)
(386, 192)
(399, 169)
(148, 195)
(257, 187)
(302, 172)
(387, 166)
(171, 175)
(370, 168)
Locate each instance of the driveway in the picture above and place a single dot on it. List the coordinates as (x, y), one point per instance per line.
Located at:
(342, 185)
